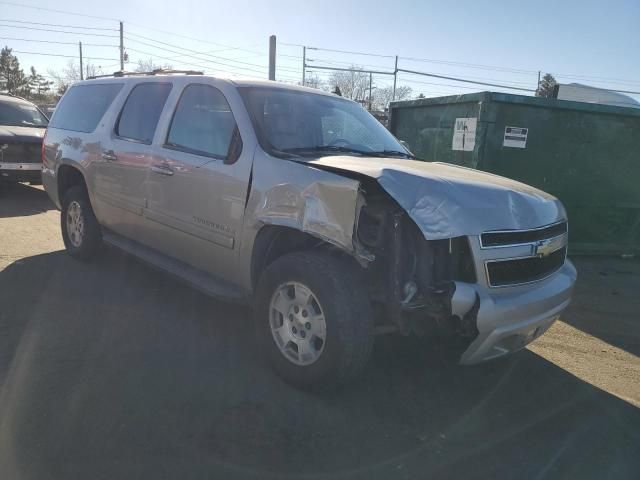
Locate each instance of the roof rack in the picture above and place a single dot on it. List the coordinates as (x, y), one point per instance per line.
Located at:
(157, 71)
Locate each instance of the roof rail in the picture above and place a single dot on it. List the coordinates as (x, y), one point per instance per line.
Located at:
(157, 71)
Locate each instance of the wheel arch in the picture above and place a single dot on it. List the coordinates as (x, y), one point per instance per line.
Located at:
(69, 176)
(274, 241)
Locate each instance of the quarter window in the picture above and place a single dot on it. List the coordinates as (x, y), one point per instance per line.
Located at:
(83, 106)
(202, 123)
(141, 111)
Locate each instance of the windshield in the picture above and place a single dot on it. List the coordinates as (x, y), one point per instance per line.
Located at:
(21, 114)
(307, 124)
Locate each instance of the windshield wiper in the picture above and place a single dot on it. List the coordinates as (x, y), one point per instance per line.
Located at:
(391, 153)
(324, 148)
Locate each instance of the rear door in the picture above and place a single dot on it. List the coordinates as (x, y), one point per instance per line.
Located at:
(198, 183)
(125, 157)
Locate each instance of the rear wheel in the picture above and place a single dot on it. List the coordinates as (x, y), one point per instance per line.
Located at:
(80, 229)
(314, 321)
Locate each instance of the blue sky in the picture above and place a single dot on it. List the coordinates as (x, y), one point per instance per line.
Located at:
(591, 42)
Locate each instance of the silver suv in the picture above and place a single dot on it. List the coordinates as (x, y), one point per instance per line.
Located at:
(300, 202)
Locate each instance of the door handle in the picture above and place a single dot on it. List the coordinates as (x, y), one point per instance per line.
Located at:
(162, 169)
(109, 156)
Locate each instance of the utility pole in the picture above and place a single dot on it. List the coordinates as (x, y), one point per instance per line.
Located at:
(272, 57)
(538, 87)
(304, 65)
(81, 71)
(395, 78)
(121, 48)
(370, 84)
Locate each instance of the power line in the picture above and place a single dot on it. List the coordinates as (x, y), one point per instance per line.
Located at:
(66, 12)
(339, 62)
(226, 47)
(189, 50)
(60, 43)
(411, 80)
(413, 72)
(181, 54)
(185, 49)
(192, 64)
(471, 65)
(60, 55)
(202, 54)
(601, 79)
(349, 52)
(513, 82)
(205, 68)
(63, 26)
(61, 31)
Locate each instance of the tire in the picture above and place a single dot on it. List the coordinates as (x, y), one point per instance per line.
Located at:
(339, 290)
(88, 244)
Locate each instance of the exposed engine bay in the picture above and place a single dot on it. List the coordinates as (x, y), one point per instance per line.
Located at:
(414, 280)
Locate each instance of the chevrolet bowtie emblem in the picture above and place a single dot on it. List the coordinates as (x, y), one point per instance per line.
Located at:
(544, 248)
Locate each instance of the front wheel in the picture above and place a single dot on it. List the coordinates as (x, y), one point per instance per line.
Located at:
(314, 320)
(80, 228)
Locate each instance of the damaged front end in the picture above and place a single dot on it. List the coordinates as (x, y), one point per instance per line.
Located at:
(419, 286)
(416, 229)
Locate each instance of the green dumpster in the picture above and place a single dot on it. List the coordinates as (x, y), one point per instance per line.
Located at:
(587, 155)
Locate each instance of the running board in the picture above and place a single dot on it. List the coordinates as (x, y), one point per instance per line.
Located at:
(202, 281)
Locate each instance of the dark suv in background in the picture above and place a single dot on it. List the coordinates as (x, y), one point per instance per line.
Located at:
(22, 126)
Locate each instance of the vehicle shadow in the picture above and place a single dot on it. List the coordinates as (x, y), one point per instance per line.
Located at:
(111, 370)
(606, 301)
(20, 200)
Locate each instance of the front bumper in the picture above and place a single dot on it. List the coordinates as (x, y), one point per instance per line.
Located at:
(510, 318)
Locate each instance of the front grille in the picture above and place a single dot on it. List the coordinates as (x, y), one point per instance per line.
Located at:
(501, 273)
(27, 152)
(516, 237)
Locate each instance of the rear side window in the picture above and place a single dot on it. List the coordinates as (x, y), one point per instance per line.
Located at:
(202, 123)
(142, 110)
(83, 106)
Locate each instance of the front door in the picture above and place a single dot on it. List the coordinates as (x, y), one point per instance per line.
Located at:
(198, 183)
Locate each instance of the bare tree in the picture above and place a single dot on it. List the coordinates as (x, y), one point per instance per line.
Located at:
(71, 73)
(148, 66)
(313, 80)
(382, 96)
(353, 84)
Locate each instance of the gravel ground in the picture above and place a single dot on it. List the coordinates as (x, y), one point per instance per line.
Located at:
(111, 370)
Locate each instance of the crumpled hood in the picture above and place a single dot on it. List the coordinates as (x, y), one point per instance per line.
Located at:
(448, 201)
(10, 133)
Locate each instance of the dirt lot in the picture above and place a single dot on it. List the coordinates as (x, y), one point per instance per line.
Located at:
(111, 370)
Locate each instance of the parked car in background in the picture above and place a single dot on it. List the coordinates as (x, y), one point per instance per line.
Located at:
(302, 203)
(22, 127)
